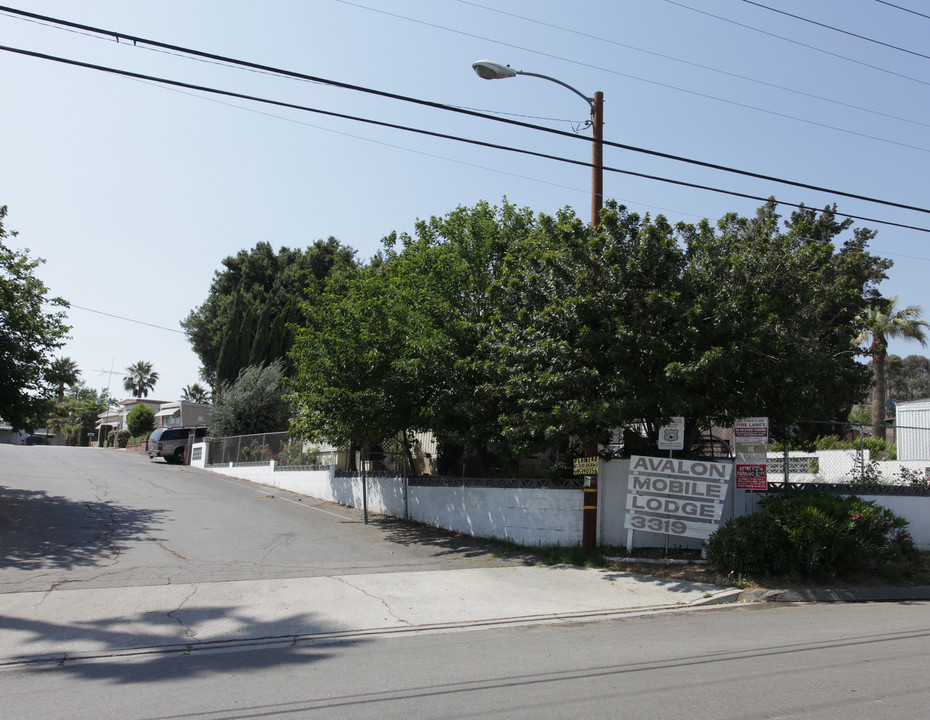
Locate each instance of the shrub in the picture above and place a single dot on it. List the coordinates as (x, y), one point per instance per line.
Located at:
(141, 420)
(293, 454)
(813, 535)
(750, 545)
(122, 438)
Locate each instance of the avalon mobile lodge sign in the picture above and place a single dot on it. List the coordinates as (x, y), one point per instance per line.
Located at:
(675, 497)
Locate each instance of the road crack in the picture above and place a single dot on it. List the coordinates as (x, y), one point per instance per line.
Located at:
(375, 597)
(188, 630)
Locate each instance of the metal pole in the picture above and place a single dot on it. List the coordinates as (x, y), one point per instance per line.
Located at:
(786, 461)
(861, 456)
(364, 484)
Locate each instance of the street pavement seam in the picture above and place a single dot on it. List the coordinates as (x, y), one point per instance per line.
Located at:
(323, 638)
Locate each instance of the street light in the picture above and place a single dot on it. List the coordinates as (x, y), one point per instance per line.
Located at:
(495, 71)
(489, 70)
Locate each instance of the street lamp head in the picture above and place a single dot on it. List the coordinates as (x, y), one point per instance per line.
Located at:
(493, 71)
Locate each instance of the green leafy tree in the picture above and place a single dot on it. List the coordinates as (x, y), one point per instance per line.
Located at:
(195, 393)
(399, 343)
(62, 372)
(31, 327)
(255, 403)
(445, 283)
(587, 324)
(907, 378)
(141, 420)
(634, 323)
(881, 322)
(245, 318)
(352, 382)
(140, 379)
(772, 315)
(75, 416)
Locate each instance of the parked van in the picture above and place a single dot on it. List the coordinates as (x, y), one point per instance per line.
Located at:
(171, 443)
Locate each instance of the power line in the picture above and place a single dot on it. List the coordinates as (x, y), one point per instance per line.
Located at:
(836, 29)
(668, 86)
(899, 7)
(264, 68)
(472, 113)
(480, 143)
(798, 43)
(428, 103)
(720, 71)
(120, 317)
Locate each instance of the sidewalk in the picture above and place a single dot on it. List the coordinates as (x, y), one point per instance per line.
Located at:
(72, 624)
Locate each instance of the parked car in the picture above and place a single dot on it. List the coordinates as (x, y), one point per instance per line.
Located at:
(171, 443)
(35, 440)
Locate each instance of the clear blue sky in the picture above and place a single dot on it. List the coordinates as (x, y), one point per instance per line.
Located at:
(134, 193)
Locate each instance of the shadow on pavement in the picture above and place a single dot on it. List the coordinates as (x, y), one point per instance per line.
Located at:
(449, 543)
(38, 530)
(151, 651)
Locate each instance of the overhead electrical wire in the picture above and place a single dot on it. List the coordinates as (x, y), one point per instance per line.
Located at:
(117, 35)
(447, 136)
(433, 104)
(836, 29)
(629, 76)
(690, 63)
(120, 317)
(797, 42)
(899, 7)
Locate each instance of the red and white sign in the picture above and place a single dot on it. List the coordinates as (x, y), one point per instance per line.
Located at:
(751, 437)
(751, 477)
(751, 429)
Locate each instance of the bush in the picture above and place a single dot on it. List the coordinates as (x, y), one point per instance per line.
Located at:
(141, 420)
(122, 438)
(254, 404)
(813, 535)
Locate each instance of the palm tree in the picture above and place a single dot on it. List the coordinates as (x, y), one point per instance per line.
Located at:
(883, 322)
(139, 379)
(195, 393)
(62, 371)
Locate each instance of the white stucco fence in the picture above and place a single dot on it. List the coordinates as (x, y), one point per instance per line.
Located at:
(529, 516)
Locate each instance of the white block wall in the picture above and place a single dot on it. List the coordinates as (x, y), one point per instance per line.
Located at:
(527, 516)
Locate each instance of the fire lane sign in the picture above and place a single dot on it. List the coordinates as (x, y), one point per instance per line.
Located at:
(751, 437)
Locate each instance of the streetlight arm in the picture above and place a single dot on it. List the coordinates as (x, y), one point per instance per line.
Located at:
(580, 94)
(489, 70)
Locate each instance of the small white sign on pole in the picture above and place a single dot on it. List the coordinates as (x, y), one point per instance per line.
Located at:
(672, 436)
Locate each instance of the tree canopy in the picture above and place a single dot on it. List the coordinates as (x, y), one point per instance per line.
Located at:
(907, 378)
(32, 326)
(504, 331)
(252, 303)
(253, 404)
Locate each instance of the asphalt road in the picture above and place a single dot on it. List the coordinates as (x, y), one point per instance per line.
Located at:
(140, 567)
(816, 662)
(89, 518)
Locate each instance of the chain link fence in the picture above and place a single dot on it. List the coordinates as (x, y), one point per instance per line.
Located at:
(849, 453)
(262, 448)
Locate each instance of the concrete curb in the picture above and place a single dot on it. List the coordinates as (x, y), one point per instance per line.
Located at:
(835, 595)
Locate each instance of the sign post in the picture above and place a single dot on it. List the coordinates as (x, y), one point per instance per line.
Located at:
(587, 468)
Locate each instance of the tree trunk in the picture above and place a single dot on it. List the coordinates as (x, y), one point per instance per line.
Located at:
(879, 350)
